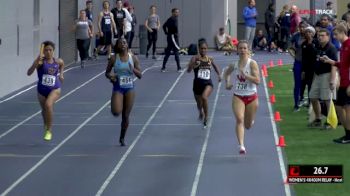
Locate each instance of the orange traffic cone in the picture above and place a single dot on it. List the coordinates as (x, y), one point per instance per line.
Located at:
(280, 63)
(281, 142)
(264, 70)
(277, 116)
(270, 85)
(264, 73)
(273, 99)
(271, 63)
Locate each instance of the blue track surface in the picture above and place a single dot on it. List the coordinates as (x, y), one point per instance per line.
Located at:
(165, 140)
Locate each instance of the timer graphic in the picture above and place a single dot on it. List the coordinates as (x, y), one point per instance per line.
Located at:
(315, 174)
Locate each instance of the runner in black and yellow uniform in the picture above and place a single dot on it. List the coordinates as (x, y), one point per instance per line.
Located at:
(201, 65)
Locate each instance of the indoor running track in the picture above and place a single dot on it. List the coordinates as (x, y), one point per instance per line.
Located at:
(168, 152)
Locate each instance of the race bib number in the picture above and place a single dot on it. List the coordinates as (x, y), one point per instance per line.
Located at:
(48, 80)
(126, 82)
(204, 74)
(241, 86)
(107, 21)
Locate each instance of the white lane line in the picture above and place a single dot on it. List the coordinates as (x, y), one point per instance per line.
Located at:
(27, 89)
(205, 144)
(19, 180)
(31, 170)
(126, 154)
(38, 112)
(279, 151)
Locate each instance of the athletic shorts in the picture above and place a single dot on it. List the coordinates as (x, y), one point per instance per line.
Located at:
(199, 86)
(320, 88)
(247, 99)
(106, 39)
(44, 91)
(117, 88)
(342, 98)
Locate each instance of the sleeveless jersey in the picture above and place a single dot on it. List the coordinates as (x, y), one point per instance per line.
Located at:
(124, 73)
(243, 86)
(203, 71)
(106, 22)
(47, 74)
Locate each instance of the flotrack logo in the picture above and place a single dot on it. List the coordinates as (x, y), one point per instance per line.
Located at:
(315, 12)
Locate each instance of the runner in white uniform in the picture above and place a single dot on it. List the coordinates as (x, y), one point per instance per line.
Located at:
(245, 99)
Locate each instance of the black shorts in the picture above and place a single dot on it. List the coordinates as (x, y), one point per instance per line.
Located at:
(199, 86)
(106, 39)
(342, 98)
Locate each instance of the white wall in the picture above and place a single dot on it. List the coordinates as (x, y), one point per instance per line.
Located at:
(19, 13)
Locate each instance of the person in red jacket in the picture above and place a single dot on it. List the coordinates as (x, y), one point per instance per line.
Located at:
(343, 95)
(294, 20)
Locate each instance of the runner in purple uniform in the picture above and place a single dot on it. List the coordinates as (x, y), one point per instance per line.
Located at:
(50, 77)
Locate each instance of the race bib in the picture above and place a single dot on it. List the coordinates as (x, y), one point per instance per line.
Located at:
(48, 80)
(241, 86)
(204, 74)
(107, 21)
(126, 82)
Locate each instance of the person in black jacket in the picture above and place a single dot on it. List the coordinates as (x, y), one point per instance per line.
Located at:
(270, 24)
(170, 28)
(284, 22)
(308, 61)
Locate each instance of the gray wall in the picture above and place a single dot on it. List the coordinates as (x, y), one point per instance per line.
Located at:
(198, 18)
(18, 50)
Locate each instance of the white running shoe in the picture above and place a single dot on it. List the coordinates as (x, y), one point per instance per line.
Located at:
(242, 150)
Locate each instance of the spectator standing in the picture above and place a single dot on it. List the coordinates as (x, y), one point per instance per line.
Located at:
(348, 12)
(295, 19)
(152, 24)
(270, 24)
(171, 30)
(325, 23)
(131, 10)
(320, 88)
(343, 95)
(249, 14)
(284, 26)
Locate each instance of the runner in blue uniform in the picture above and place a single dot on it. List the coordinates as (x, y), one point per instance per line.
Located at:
(123, 66)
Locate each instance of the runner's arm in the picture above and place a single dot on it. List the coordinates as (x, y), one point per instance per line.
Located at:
(255, 77)
(227, 76)
(109, 67)
(61, 67)
(34, 66)
(216, 67)
(137, 69)
(191, 64)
